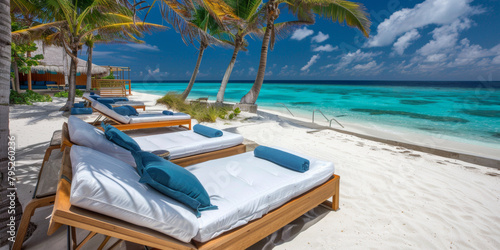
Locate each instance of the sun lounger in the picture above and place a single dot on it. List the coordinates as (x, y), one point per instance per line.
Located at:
(185, 147)
(255, 198)
(116, 102)
(143, 120)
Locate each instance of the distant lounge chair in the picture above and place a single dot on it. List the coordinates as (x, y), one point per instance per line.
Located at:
(115, 101)
(243, 217)
(143, 120)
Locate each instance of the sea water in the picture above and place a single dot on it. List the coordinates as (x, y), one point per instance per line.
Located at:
(462, 111)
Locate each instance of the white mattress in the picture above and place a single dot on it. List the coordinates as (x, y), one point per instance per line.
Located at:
(156, 117)
(245, 188)
(186, 143)
(111, 187)
(130, 103)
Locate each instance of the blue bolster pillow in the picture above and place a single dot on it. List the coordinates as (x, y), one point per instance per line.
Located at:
(207, 131)
(172, 180)
(167, 112)
(81, 111)
(106, 100)
(282, 158)
(126, 110)
(78, 105)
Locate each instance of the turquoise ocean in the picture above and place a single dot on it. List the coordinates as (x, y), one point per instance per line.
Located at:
(463, 111)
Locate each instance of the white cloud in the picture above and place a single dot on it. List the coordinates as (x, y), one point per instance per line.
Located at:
(143, 46)
(444, 37)
(367, 66)
(312, 61)
(300, 34)
(320, 37)
(101, 53)
(353, 57)
(251, 71)
(326, 48)
(287, 71)
(439, 12)
(405, 40)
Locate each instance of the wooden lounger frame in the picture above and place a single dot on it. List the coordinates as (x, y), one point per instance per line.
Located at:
(239, 238)
(35, 203)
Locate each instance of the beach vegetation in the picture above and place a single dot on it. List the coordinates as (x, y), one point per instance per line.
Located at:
(199, 111)
(21, 58)
(68, 23)
(28, 97)
(78, 93)
(110, 76)
(351, 13)
(201, 23)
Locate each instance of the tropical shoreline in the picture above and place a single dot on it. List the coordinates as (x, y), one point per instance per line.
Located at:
(390, 195)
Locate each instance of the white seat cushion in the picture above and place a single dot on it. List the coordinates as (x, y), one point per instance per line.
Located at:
(84, 134)
(110, 113)
(111, 187)
(156, 117)
(186, 143)
(245, 188)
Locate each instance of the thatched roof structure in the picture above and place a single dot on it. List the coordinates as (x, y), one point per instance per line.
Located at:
(53, 61)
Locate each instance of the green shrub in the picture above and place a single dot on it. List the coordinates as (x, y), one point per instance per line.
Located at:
(198, 111)
(61, 94)
(78, 93)
(110, 76)
(29, 97)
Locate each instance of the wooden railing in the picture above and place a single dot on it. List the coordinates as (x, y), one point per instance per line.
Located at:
(112, 87)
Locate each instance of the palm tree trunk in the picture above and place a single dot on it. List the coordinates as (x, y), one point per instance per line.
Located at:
(89, 69)
(6, 209)
(185, 94)
(225, 80)
(72, 81)
(251, 96)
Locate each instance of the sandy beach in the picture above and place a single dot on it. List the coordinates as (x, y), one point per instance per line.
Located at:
(390, 196)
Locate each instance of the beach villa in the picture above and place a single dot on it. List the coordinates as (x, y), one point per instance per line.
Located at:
(53, 70)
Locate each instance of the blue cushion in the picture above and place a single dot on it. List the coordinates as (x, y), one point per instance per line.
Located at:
(105, 100)
(173, 181)
(81, 111)
(120, 99)
(126, 110)
(23, 86)
(81, 86)
(79, 105)
(40, 83)
(107, 105)
(207, 131)
(282, 158)
(92, 93)
(38, 87)
(120, 138)
(50, 82)
(167, 112)
(24, 83)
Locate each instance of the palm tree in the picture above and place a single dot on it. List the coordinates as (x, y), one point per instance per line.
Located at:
(203, 24)
(75, 22)
(250, 16)
(5, 61)
(351, 13)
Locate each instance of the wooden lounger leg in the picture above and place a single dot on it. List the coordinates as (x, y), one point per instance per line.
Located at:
(334, 204)
(29, 210)
(104, 243)
(84, 241)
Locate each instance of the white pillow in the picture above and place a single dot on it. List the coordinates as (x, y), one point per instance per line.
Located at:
(111, 113)
(105, 185)
(84, 134)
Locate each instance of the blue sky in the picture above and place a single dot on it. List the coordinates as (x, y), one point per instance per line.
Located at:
(409, 40)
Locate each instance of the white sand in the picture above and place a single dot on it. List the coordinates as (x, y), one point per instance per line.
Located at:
(390, 197)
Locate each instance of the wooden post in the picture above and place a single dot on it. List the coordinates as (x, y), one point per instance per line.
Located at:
(29, 74)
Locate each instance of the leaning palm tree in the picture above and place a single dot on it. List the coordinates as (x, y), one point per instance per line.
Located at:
(5, 207)
(74, 22)
(198, 23)
(250, 22)
(351, 13)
